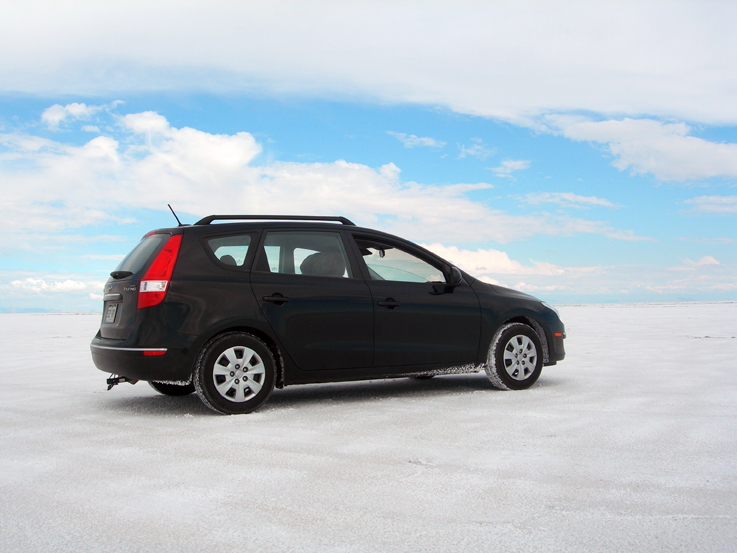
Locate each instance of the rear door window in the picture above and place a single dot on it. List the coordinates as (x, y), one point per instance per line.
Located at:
(305, 253)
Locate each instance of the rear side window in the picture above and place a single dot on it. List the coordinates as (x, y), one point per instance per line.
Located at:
(231, 250)
(138, 257)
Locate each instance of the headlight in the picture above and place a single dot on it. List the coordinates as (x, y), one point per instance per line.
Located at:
(551, 308)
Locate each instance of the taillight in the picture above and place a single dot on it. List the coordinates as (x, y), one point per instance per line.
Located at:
(155, 282)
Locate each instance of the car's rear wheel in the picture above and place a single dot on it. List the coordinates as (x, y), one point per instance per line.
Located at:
(235, 373)
(172, 389)
(515, 357)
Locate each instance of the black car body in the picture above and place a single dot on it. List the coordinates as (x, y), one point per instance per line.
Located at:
(312, 301)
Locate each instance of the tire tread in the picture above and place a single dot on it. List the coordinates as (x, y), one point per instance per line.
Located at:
(202, 372)
(493, 371)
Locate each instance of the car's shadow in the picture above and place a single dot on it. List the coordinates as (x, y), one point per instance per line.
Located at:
(159, 405)
(373, 390)
(309, 394)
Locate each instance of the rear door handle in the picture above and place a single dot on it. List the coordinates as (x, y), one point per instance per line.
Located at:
(389, 303)
(278, 299)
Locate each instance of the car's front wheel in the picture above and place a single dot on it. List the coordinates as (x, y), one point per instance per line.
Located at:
(515, 357)
(235, 373)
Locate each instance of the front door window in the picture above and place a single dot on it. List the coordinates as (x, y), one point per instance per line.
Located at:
(389, 263)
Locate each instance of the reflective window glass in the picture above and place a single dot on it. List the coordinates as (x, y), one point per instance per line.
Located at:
(137, 258)
(306, 253)
(386, 262)
(231, 250)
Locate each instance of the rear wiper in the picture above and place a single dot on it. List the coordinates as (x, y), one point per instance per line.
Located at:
(117, 275)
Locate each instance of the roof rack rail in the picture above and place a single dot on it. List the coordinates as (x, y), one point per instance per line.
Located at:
(210, 218)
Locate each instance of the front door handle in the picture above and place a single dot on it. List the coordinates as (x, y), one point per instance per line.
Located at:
(389, 303)
(278, 299)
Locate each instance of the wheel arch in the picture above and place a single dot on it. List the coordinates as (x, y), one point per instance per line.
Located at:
(535, 325)
(261, 335)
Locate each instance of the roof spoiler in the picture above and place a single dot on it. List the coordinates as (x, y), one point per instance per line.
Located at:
(210, 218)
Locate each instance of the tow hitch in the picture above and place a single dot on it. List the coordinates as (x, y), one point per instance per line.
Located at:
(114, 380)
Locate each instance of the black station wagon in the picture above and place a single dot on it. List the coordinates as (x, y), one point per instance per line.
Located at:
(232, 309)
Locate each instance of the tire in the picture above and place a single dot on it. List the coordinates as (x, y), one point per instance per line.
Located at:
(515, 357)
(234, 373)
(172, 389)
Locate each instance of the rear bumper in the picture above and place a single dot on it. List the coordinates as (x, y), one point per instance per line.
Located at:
(135, 363)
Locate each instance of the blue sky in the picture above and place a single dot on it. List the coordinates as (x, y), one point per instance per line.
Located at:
(581, 154)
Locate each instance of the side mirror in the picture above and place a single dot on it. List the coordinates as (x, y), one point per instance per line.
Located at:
(453, 279)
(455, 276)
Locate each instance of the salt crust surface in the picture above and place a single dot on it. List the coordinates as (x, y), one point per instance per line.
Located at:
(630, 444)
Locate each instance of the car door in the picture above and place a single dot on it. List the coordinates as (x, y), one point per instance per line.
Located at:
(320, 310)
(418, 318)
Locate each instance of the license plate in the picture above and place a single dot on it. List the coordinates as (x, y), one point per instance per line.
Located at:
(110, 312)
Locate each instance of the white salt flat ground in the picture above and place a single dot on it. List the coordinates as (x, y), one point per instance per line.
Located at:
(628, 445)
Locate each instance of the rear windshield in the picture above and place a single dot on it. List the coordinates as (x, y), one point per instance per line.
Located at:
(138, 257)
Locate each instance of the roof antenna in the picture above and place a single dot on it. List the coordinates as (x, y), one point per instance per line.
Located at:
(175, 215)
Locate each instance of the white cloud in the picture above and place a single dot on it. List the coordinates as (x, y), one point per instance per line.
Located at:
(57, 113)
(724, 286)
(719, 240)
(647, 146)
(491, 261)
(489, 280)
(705, 275)
(546, 279)
(607, 58)
(43, 243)
(524, 287)
(151, 164)
(147, 122)
(718, 205)
(19, 144)
(40, 285)
(53, 291)
(477, 149)
(116, 257)
(565, 199)
(513, 60)
(707, 260)
(411, 140)
(636, 283)
(694, 265)
(509, 166)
